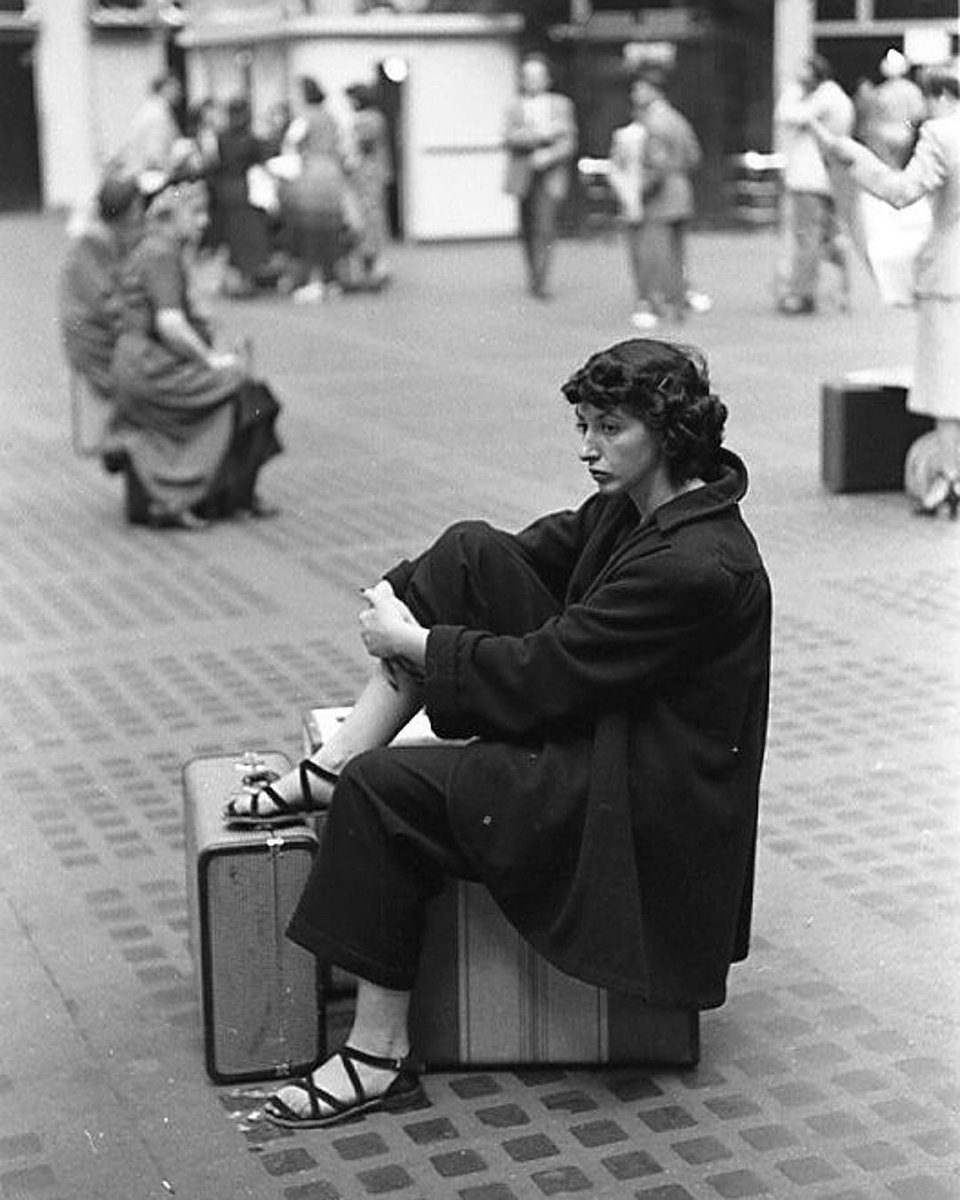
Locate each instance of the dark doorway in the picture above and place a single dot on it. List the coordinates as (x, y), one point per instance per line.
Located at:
(19, 144)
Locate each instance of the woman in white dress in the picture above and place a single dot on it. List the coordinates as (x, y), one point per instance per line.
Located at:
(934, 171)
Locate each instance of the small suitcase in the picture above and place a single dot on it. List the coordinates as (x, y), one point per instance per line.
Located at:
(865, 432)
(484, 997)
(260, 993)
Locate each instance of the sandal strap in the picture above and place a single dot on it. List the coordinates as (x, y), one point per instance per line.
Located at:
(407, 1064)
(316, 1097)
(281, 805)
(337, 1105)
(307, 768)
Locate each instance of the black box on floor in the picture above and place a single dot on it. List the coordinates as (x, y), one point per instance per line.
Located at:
(261, 995)
(865, 432)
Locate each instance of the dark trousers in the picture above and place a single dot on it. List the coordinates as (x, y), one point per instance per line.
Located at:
(388, 846)
(655, 250)
(810, 222)
(538, 227)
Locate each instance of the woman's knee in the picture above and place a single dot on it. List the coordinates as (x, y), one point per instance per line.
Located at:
(464, 542)
(470, 532)
(367, 772)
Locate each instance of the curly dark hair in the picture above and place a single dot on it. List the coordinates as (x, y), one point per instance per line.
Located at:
(665, 385)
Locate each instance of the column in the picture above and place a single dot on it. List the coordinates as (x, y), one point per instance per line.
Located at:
(64, 86)
(792, 41)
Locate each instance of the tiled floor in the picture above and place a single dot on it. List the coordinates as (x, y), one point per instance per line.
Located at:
(832, 1073)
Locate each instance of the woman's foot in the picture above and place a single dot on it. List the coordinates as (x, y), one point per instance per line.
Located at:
(795, 306)
(936, 494)
(259, 510)
(349, 1084)
(163, 518)
(308, 788)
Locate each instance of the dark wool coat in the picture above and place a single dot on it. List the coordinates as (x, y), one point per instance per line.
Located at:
(610, 801)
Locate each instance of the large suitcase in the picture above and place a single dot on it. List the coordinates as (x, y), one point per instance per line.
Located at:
(261, 995)
(485, 997)
(865, 432)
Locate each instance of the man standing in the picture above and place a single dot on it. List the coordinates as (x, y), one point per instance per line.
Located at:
(153, 143)
(809, 221)
(650, 164)
(541, 140)
(671, 154)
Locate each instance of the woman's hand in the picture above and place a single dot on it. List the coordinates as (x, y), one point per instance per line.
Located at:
(222, 360)
(389, 630)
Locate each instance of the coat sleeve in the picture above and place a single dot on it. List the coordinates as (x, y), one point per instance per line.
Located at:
(553, 544)
(516, 135)
(597, 655)
(792, 108)
(926, 171)
(688, 151)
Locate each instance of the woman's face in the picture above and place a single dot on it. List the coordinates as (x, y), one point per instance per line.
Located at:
(617, 449)
(642, 95)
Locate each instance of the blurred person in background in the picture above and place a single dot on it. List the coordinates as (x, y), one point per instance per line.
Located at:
(204, 123)
(541, 139)
(626, 179)
(671, 154)
(195, 427)
(202, 128)
(278, 120)
(650, 162)
(90, 280)
(318, 206)
(933, 464)
(371, 176)
(154, 147)
(889, 115)
(810, 230)
(242, 226)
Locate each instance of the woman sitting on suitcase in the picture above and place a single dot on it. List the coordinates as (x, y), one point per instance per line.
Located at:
(195, 427)
(610, 665)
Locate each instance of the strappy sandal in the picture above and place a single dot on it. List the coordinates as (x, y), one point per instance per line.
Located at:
(283, 812)
(404, 1093)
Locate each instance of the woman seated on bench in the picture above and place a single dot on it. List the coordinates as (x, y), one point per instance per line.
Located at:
(197, 429)
(611, 665)
(90, 280)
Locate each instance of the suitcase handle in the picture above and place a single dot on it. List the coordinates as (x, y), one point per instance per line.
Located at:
(255, 772)
(255, 780)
